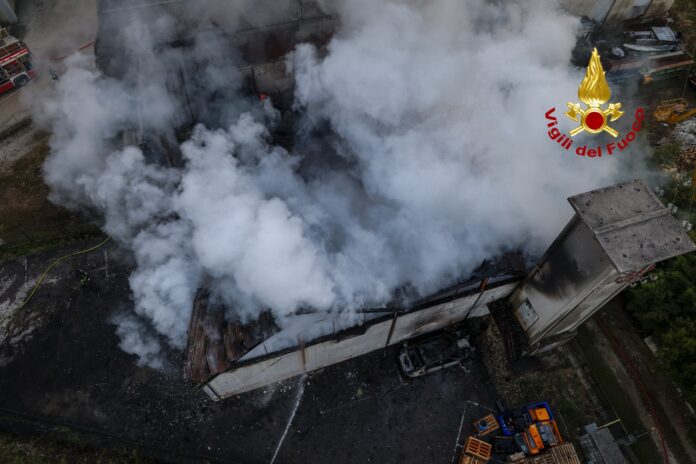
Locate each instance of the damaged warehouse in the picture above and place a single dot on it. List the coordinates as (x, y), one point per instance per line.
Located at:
(616, 236)
(322, 231)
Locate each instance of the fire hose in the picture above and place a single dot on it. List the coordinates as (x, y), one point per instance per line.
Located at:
(52, 265)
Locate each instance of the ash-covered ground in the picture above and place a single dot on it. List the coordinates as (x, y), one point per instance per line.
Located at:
(63, 373)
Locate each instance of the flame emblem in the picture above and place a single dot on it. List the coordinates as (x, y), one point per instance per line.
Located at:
(594, 92)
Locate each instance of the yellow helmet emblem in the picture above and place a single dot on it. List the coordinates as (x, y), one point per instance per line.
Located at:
(594, 92)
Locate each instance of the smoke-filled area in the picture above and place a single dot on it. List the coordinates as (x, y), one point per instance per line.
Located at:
(420, 150)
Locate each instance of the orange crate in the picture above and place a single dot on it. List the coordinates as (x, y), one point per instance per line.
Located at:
(478, 448)
(540, 414)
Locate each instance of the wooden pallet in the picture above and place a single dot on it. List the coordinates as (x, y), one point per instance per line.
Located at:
(545, 458)
(491, 425)
(565, 454)
(561, 454)
(466, 459)
(478, 449)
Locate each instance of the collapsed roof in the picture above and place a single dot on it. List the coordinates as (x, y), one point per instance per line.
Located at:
(216, 345)
(258, 38)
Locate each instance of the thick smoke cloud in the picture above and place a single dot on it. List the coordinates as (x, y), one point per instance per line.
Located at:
(421, 151)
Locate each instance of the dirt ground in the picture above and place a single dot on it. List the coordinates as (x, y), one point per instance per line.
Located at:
(68, 379)
(29, 221)
(554, 378)
(585, 381)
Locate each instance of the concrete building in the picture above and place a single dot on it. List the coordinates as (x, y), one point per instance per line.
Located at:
(616, 236)
(617, 11)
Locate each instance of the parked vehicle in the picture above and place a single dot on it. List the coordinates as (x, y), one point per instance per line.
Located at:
(16, 67)
(433, 354)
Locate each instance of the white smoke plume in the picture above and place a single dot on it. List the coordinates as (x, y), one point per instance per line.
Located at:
(421, 151)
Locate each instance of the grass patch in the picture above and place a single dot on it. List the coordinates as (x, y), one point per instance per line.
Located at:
(561, 389)
(41, 450)
(29, 222)
(14, 128)
(684, 13)
(644, 448)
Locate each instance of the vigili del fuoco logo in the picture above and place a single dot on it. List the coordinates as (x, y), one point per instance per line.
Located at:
(593, 118)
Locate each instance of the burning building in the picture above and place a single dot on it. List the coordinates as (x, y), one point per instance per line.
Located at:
(232, 358)
(307, 227)
(616, 236)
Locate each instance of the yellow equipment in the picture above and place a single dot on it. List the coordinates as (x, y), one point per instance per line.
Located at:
(673, 111)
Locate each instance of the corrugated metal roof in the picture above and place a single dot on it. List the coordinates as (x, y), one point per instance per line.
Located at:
(166, 21)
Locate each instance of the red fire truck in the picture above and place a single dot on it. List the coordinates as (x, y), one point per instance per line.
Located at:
(16, 68)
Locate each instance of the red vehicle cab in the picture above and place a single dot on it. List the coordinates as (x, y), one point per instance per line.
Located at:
(16, 68)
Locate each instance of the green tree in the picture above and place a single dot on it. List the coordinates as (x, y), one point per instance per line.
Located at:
(666, 307)
(659, 303)
(678, 351)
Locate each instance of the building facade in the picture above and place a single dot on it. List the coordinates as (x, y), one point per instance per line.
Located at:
(617, 11)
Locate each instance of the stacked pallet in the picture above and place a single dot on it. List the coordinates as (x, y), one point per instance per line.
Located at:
(476, 452)
(561, 454)
(196, 367)
(565, 454)
(466, 459)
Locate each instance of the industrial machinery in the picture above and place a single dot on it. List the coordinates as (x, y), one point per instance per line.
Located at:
(532, 427)
(673, 111)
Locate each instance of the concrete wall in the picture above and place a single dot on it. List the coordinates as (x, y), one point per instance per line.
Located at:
(616, 11)
(273, 368)
(574, 267)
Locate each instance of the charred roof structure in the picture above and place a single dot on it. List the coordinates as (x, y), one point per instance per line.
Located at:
(313, 340)
(316, 340)
(257, 45)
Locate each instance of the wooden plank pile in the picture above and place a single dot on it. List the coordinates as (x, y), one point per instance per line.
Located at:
(476, 452)
(215, 344)
(561, 454)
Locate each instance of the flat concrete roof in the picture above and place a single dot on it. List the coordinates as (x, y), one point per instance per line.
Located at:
(632, 225)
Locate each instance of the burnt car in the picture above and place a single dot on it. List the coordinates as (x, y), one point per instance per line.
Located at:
(434, 353)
